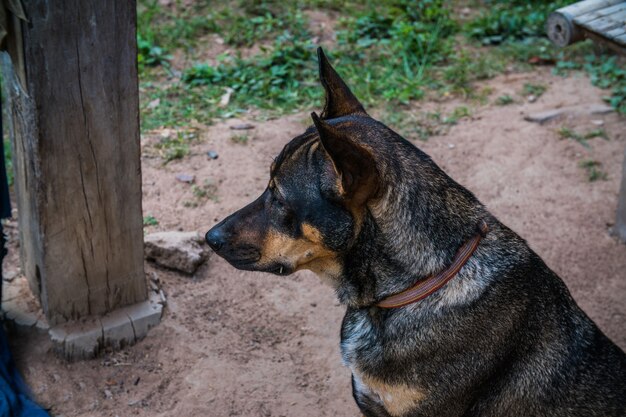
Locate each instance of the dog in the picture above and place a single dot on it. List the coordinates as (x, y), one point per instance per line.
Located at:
(448, 312)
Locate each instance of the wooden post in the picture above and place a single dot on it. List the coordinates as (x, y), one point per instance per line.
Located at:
(620, 224)
(75, 130)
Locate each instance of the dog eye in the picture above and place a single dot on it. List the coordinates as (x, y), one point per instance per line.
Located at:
(284, 215)
(278, 202)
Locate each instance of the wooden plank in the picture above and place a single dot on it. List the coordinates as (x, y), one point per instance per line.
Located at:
(81, 188)
(586, 6)
(582, 19)
(602, 24)
(620, 39)
(614, 33)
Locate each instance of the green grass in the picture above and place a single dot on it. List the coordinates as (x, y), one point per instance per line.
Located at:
(384, 51)
(500, 21)
(240, 139)
(150, 221)
(206, 191)
(536, 90)
(280, 80)
(606, 72)
(459, 112)
(391, 52)
(175, 146)
(582, 138)
(594, 173)
(505, 100)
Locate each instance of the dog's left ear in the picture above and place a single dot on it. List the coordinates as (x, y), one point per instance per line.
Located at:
(339, 99)
(354, 164)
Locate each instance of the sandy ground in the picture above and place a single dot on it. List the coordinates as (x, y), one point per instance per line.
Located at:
(236, 343)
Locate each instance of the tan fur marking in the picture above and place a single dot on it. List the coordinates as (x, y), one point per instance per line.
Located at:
(398, 399)
(307, 252)
(311, 233)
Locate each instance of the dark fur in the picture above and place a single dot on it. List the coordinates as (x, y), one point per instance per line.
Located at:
(361, 206)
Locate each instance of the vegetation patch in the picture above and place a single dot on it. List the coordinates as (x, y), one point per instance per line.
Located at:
(505, 100)
(582, 138)
(150, 220)
(391, 52)
(512, 20)
(174, 145)
(594, 173)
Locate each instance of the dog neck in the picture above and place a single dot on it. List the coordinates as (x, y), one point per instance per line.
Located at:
(428, 286)
(411, 233)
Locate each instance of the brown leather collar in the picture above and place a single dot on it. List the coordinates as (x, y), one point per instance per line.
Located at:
(429, 285)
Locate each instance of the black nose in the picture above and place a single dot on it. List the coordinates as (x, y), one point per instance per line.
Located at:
(215, 238)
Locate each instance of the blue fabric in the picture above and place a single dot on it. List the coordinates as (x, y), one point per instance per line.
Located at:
(14, 398)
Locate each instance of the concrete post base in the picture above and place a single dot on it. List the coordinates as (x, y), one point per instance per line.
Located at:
(86, 338)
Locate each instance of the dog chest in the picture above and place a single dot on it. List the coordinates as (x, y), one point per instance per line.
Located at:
(360, 344)
(396, 399)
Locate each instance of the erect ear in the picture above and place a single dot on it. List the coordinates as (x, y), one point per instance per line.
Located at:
(339, 99)
(353, 163)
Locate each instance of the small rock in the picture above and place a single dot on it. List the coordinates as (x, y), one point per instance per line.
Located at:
(544, 116)
(212, 154)
(531, 98)
(167, 133)
(108, 393)
(242, 126)
(154, 103)
(600, 109)
(451, 145)
(595, 122)
(182, 251)
(225, 99)
(186, 178)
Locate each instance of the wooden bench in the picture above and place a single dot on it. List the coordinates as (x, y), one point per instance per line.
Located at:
(601, 20)
(604, 21)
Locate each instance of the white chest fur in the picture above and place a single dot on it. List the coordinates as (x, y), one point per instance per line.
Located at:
(397, 399)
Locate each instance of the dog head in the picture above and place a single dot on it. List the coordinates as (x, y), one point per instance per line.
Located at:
(352, 201)
(319, 184)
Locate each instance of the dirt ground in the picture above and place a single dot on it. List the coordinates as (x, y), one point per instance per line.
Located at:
(235, 343)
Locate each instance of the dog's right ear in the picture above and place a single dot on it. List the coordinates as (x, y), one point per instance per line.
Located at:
(353, 163)
(339, 99)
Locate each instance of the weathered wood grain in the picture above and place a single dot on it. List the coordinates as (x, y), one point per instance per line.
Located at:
(620, 223)
(79, 172)
(601, 20)
(587, 6)
(608, 11)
